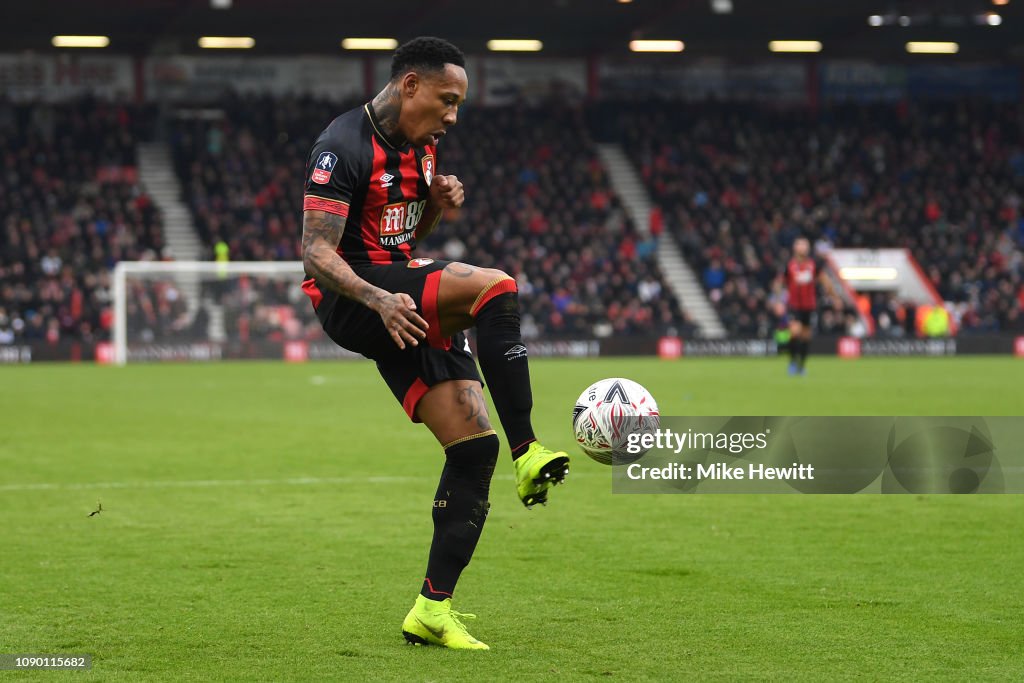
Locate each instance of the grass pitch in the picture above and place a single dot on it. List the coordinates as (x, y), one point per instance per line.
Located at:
(271, 522)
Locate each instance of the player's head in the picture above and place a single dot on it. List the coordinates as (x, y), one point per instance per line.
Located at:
(801, 247)
(430, 74)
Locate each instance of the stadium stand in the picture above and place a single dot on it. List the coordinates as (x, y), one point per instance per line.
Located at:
(734, 184)
(539, 207)
(737, 182)
(71, 208)
(242, 172)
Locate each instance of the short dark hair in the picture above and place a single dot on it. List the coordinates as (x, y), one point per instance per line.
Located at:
(425, 53)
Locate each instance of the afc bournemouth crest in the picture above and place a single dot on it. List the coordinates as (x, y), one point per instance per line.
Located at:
(420, 262)
(323, 169)
(428, 167)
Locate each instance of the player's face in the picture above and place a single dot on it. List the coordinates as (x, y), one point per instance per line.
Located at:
(801, 248)
(432, 104)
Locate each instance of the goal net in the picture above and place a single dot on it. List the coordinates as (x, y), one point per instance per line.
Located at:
(209, 311)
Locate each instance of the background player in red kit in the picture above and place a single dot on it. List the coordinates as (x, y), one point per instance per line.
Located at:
(372, 190)
(802, 275)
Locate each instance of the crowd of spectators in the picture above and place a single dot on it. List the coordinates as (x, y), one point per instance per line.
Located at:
(242, 171)
(539, 206)
(157, 311)
(255, 309)
(266, 308)
(738, 182)
(70, 208)
(733, 183)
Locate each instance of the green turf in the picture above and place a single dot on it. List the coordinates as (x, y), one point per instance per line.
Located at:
(270, 522)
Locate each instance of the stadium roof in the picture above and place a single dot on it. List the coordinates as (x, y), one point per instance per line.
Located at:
(566, 27)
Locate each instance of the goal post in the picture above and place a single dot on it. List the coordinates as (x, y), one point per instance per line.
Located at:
(187, 302)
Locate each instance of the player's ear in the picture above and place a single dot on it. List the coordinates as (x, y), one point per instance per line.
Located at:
(410, 83)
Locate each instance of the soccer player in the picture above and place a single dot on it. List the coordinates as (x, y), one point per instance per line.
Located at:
(802, 276)
(372, 191)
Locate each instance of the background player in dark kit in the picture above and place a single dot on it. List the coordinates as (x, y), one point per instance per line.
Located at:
(802, 275)
(371, 192)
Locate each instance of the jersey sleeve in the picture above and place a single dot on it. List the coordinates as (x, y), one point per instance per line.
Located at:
(332, 174)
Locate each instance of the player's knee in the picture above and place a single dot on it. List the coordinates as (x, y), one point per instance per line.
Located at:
(476, 448)
(498, 284)
(473, 459)
(495, 274)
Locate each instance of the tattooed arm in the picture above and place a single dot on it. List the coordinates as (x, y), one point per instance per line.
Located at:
(321, 234)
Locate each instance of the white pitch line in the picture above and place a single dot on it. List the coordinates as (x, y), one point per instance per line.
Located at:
(205, 483)
(211, 483)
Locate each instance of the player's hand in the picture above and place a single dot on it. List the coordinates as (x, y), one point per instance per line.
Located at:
(446, 192)
(398, 313)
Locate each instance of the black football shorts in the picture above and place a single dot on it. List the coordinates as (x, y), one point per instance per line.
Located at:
(410, 372)
(804, 317)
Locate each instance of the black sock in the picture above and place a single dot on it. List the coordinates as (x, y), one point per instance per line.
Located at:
(805, 349)
(460, 509)
(499, 345)
(794, 349)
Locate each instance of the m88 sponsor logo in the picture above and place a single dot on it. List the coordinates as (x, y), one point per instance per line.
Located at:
(401, 216)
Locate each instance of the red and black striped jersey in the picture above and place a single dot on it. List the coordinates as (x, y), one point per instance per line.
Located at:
(381, 188)
(802, 281)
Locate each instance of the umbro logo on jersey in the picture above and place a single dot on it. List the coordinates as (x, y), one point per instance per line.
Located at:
(516, 352)
(324, 167)
(385, 180)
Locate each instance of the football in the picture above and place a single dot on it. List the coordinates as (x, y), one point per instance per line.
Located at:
(606, 413)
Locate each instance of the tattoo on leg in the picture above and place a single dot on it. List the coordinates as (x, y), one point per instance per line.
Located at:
(459, 270)
(473, 399)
